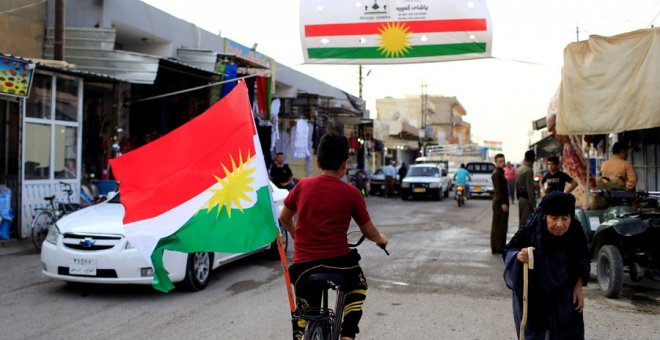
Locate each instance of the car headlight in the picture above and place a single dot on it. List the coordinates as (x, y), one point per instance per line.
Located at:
(53, 234)
(434, 185)
(405, 185)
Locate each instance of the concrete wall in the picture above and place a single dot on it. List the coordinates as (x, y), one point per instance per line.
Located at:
(140, 27)
(22, 29)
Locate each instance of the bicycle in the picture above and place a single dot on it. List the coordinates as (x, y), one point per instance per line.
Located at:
(324, 323)
(46, 217)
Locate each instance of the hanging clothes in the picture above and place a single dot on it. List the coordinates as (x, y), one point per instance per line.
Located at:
(262, 96)
(300, 139)
(230, 73)
(264, 130)
(275, 114)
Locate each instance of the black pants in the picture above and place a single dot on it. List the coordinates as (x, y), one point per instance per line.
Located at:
(355, 290)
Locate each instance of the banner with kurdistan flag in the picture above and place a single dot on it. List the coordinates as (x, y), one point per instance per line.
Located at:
(201, 188)
(394, 31)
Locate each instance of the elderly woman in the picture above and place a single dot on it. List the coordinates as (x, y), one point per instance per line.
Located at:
(561, 269)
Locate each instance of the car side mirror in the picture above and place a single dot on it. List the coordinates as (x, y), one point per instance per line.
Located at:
(444, 172)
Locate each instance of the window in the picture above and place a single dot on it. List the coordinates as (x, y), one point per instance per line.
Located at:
(37, 151)
(66, 107)
(52, 128)
(39, 102)
(65, 152)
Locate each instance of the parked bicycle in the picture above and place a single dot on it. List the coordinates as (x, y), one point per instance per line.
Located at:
(324, 323)
(46, 217)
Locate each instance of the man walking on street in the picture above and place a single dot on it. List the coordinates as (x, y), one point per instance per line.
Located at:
(389, 172)
(525, 188)
(500, 207)
(510, 175)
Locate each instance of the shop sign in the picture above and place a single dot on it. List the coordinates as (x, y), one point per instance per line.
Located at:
(15, 76)
(240, 51)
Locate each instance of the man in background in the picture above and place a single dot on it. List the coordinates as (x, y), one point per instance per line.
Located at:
(510, 175)
(617, 169)
(555, 179)
(525, 188)
(389, 172)
(280, 173)
(500, 223)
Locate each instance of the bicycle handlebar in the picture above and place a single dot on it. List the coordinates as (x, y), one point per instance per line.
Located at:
(359, 242)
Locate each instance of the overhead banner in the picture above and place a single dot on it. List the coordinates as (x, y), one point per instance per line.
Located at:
(394, 31)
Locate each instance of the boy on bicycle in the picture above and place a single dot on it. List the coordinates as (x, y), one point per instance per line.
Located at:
(325, 205)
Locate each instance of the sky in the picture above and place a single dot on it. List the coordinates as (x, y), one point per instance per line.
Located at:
(502, 95)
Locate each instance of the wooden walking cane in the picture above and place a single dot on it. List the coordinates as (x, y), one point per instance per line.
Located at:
(529, 265)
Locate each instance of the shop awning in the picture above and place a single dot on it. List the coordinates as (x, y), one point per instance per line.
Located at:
(610, 84)
(546, 147)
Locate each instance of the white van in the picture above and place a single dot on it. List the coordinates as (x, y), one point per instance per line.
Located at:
(481, 183)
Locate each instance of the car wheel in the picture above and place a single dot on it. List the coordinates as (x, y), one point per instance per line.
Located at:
(198, 271)
(609, 271)
(447, 193)
(274, 252)
(439, 195)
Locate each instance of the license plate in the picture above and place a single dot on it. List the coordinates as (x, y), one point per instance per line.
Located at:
(81, 266)
(420, 189)
(477, 188)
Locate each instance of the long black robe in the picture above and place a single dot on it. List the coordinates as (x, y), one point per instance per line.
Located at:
(500, 223)
(558, 263)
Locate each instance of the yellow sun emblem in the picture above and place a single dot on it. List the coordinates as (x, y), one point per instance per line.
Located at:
(234, 188)
(394, 39)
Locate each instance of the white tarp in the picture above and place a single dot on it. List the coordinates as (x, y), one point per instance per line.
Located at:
(610, 84)
(394, 31)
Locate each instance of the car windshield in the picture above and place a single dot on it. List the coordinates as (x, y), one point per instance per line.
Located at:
(423, 171)
(480, 168)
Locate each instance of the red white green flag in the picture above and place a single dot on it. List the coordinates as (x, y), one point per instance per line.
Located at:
(201, 188)
(394, 31)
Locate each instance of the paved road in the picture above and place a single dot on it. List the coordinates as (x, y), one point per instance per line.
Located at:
(441, 282)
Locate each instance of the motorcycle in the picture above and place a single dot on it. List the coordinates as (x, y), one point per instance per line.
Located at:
(625, 236)
(460, 195)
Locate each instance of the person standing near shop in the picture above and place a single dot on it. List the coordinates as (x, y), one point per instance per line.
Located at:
(500, 223)
(617, 169)
(525, 188)
(403, 171)
(555, 179)
(510, 175)
(281, 174)
(389, 171)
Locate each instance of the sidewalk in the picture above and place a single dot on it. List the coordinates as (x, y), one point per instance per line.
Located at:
(14, 246)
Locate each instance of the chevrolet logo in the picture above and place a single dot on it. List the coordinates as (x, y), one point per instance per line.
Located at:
(87, 242)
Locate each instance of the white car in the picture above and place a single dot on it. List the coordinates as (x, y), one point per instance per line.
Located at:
(428, 179)
(481, 183)
(89, 246)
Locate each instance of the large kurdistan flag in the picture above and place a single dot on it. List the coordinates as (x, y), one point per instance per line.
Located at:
(201, 188)
(394, 31)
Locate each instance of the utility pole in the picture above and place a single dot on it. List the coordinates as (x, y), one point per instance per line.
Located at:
(58, 45)
(424, 106)
(360, 81)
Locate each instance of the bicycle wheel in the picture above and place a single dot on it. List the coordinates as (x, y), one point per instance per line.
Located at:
(40, 225)
(316, 331)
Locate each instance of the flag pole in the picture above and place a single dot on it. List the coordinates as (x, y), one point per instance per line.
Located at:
(285, 271)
